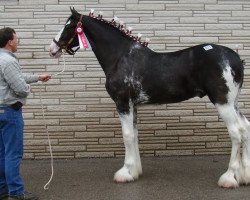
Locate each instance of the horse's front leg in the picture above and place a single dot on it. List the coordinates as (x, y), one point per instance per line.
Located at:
(132, 164)
(138, 158)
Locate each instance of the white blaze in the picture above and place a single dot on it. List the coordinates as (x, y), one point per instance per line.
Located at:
(54, 49)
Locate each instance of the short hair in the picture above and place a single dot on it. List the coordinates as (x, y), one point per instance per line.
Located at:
(6, 34)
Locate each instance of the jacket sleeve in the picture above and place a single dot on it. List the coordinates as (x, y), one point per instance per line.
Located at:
(14, 77)
(30, 78)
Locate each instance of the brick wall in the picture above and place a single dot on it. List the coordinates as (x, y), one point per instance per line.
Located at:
(81, 117)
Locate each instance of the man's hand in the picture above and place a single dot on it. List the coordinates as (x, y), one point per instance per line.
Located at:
(44, 77)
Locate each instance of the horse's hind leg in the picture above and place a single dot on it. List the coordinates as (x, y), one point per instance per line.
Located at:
(231, 177)
(239, 131)
(225, 99)
(245, 170)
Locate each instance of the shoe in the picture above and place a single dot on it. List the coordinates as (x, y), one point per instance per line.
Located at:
(25, 196)
(4, 196)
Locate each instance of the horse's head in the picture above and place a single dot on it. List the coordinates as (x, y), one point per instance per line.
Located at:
(103, 36)
(67, 38)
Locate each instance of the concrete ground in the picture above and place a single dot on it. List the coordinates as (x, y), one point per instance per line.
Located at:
(165, 178)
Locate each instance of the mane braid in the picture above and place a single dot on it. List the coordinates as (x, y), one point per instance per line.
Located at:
(120, 28)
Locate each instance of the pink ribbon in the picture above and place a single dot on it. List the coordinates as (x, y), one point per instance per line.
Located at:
(83, 40)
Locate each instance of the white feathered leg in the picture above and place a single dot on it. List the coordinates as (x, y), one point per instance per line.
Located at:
(231, 178)
(245, 171)
(130, 171)
(138, 158)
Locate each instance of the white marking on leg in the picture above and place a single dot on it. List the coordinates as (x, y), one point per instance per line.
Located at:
(129, 172)
(138, 158)
(233, 86)
(245, 170)
(231, 178)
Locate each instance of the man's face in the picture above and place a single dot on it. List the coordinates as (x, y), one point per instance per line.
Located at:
(13, 43)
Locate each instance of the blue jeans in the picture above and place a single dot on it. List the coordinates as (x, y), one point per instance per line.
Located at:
(11, 151)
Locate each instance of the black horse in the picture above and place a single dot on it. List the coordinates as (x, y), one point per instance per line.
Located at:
(137, 75)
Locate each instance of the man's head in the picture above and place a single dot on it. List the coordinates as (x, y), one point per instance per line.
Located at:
(8, 39)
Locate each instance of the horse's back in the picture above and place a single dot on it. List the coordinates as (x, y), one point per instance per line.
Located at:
(195, 71)
(151, 77)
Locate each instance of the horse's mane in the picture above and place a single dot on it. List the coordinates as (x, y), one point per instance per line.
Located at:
(120, 27)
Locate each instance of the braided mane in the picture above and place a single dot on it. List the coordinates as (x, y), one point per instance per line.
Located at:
(121, 27)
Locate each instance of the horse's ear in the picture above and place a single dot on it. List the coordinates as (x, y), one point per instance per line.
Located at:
(73, 11)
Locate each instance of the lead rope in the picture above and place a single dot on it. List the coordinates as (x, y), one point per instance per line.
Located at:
(46, 186)
(63, 67)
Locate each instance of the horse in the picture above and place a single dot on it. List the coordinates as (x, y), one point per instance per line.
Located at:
(137, 75)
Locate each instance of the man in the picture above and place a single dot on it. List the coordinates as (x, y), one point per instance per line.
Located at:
(14, 89)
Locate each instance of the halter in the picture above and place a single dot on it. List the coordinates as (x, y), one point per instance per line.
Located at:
(66, 47)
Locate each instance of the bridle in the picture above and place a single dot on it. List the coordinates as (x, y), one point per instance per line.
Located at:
(70, 51)
(66, 47)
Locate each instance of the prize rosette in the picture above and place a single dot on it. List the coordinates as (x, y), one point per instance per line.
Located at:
(83, 40)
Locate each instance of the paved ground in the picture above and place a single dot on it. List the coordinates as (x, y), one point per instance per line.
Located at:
(174, 178)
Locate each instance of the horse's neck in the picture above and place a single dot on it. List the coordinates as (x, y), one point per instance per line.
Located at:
(107, 44)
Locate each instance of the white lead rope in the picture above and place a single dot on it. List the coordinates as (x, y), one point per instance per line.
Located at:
(46, 186)
(63, 67)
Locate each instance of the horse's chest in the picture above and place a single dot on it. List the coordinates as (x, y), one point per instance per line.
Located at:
(127, 87)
